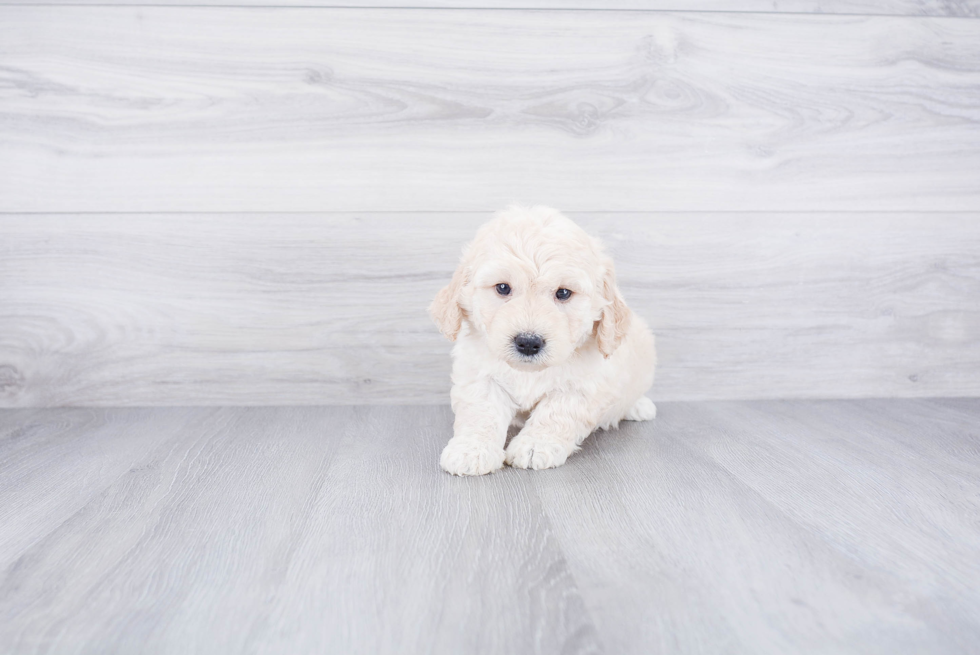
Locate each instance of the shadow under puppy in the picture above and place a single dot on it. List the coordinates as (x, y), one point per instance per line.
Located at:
(544, 341)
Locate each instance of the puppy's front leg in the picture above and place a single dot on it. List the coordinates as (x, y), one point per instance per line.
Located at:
(483, 414)
(553, 432)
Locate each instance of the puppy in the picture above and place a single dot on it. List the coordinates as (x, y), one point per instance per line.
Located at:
(544, 342)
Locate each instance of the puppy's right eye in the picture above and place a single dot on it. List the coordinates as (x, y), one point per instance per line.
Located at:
(503, 289)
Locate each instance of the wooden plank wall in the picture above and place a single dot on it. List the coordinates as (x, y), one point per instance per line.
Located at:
(967, 8)
(234, 205)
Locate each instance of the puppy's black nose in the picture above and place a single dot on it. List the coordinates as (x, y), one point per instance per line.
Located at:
(528, 344)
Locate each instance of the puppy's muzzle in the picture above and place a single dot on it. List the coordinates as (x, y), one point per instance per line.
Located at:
(528, 345)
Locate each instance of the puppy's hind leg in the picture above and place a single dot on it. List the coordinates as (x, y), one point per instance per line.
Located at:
(642, 410)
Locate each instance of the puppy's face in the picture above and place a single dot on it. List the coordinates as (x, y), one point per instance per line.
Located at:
(537, 288)
(533, 313)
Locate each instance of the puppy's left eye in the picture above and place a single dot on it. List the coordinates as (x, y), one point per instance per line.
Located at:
(563, 294)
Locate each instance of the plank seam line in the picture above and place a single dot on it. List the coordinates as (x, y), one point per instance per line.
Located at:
(383, 212)
(531, 486)
(480, 8)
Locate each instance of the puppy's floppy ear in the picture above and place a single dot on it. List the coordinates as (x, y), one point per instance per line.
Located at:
(445, 309)
(611, 328)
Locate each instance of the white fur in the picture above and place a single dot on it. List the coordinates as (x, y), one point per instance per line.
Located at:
(596, 364)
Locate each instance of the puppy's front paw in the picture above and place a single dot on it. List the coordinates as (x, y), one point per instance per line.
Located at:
(471, 457)
(536, 453)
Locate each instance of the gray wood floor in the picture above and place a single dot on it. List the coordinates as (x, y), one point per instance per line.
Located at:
(736, 527)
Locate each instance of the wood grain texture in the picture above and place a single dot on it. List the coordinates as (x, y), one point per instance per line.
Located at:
(737, 527)
(114, 109)
(300, 530)
(776, 527)
(965, 8)
(93, 449)
(331, 308)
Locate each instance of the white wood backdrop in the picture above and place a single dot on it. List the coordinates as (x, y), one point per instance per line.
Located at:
(125, 109)
(203, 205)
(823, 7)
(321, 308)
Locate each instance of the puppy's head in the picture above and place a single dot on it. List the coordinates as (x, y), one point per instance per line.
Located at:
(537, 288)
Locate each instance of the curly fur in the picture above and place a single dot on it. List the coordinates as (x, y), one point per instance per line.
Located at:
(596, 364)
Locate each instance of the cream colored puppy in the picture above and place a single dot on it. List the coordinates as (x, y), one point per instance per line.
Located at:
(544, 341)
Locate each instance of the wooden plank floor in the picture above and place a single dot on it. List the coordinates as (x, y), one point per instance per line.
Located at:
(736, 527)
